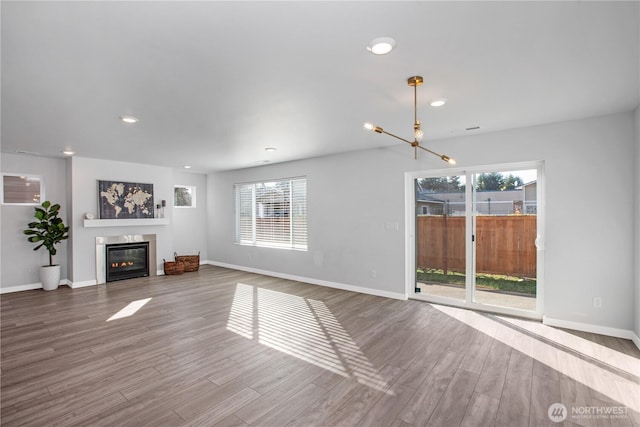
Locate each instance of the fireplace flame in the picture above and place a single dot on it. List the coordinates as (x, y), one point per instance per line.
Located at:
(123, 264)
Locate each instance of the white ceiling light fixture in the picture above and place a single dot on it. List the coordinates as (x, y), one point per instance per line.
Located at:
(414, 81)
(129, 119)
(187, 167)
(68, 152)
(270, 149)
(381, 45)
(438, 102)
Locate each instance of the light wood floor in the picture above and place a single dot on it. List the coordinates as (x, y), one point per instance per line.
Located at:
(222, 347)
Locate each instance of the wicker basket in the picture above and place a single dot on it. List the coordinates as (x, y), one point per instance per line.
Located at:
(173, 267)
(191, 262)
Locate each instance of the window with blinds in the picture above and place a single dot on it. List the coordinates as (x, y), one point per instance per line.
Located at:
(272, 213)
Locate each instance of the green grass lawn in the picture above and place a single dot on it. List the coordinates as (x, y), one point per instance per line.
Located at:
(483, 281)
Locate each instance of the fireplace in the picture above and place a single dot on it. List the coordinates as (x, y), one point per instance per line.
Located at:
(127, 261)
(136, 251)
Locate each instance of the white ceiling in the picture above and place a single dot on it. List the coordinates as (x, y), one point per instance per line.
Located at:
(214, 83)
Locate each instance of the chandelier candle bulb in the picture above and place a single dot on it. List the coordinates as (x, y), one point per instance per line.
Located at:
(418, 134)
(448, 159)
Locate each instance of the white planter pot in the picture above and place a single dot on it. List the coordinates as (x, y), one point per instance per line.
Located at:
(50, 277)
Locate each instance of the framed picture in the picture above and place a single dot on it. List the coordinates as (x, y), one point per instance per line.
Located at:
(184, 196)
(124, 200)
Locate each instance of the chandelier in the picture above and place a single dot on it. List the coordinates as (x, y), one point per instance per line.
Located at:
(418, 134)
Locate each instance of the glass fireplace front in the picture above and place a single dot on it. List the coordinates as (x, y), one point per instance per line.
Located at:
(127, 261)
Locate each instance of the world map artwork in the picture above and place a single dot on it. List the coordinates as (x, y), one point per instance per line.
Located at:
(125, 200)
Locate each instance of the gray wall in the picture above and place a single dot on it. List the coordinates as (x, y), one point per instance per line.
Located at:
(72, 183)
(20, 264)
(85, 174)
(184, 234)
(353, 197)
(189, 225)
(637, 222)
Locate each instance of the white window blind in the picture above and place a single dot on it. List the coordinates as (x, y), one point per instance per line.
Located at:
(272, 213)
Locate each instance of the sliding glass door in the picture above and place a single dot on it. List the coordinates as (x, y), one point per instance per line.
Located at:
(441, 230)
(505, 224)
(477, 238)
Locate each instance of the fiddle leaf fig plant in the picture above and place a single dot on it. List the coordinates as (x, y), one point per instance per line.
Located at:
(48, 230)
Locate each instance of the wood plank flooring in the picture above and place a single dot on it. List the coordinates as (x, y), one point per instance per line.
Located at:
(220, 347)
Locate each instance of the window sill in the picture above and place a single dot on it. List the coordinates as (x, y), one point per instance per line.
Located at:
(288, 248)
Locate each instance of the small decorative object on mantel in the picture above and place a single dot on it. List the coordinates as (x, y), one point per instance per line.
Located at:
(191, 262)
(125, 200)
(173, 267)
(89, 215)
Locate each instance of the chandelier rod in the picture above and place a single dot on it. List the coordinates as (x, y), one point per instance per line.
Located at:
(415, 104)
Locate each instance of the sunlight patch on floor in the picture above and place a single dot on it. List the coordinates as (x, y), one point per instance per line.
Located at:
(303, 328)
(602, 369)
(241, 315)
(130, 309)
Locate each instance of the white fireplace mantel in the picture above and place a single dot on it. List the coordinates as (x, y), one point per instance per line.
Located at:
(125, 222)
(101, 249)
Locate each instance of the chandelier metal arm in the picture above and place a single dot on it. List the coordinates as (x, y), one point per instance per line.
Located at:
(432, 152)
(414, 144)
(396, 136)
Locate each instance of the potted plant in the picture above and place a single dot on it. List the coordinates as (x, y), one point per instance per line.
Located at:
(48, 230)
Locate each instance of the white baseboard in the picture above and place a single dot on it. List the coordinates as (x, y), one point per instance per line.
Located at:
(594, 329)
(20, 288)
(30, 287)
(83, 284)
(86, 283)
(636, 340)
(312, 281)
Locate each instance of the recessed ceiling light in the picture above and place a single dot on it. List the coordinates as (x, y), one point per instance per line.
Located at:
(68, 152)
(129, 119)
(438, 102)
(381, 45)
(270, 149)
(187, 167)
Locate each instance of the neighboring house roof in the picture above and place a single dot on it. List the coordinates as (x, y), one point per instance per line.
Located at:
(426, 198)
(527, 184)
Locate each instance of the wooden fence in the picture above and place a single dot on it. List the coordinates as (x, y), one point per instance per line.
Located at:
(504, 244)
